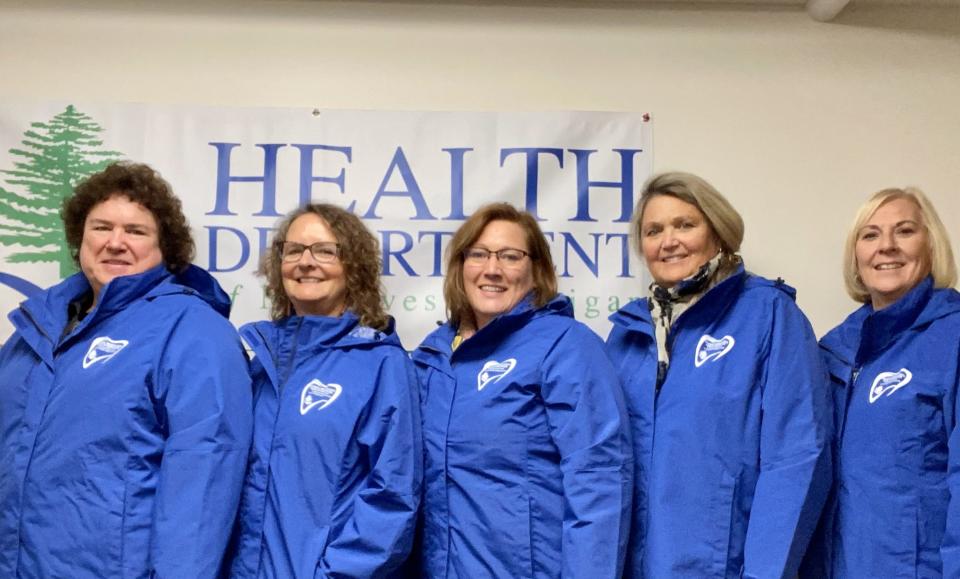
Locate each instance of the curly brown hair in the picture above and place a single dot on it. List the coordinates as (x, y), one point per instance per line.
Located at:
(544, 276)
(141, 184)
(359, 256)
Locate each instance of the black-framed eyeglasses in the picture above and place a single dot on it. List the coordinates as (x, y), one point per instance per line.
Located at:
(322, 251)
(508, 257)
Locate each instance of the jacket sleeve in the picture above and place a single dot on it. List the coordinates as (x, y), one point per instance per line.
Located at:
(950, 546)
(795, 472)
(588, 423)
(372, 532)
(203, 398)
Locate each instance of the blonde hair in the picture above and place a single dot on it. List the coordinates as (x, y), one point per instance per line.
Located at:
(942, 266)
(724, 221)
(544, 275)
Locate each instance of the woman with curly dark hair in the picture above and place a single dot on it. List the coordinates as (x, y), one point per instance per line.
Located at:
(334, 479)
(125, 411)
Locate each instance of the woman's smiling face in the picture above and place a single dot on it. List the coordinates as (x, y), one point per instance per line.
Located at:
(314, 288)
(676, 239)
(893, 251)
(494, 285)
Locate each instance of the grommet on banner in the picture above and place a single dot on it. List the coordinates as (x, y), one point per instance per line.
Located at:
(316, 112)
(646, 117)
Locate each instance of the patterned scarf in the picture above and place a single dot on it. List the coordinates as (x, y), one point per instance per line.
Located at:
(667, 304)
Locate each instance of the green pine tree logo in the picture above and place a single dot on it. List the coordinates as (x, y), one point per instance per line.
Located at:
(55, 156)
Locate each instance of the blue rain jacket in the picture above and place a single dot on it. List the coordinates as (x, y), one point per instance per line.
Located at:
(529, 467)
(122, 444)
(895, 378)
(336, 470)
(732, 447)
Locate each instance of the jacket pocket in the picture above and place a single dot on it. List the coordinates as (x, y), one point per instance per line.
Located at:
(489, 506)
(318, 545)
(931, 515)
(98, 542)
(722, 522)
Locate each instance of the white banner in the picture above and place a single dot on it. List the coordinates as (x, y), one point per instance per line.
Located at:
(412, 177)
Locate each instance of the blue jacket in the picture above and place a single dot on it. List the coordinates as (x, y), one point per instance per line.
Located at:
(529, 467)
(732, 445)
(122, 444)
(335, 474)
(895, 377)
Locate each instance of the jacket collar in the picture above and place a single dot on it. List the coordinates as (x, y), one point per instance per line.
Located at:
(943, 302)
(635, 316)
(123, 291)
(42, 318)
(436, 350)
(866, 332)
(197, 281)
(881, 327)
(281, 343)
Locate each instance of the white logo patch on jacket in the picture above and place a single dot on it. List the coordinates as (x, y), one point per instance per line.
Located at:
(710, 349)
(318, 395)
(102, 349)
(494, 371)
(886, 383)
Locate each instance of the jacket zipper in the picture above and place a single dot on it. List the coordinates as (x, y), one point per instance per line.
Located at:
(848, 396)
(661, 376)
(293, 355)
(664, 366)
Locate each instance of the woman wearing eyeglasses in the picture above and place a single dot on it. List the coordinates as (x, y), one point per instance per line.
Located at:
(334, 478)
(528, 456)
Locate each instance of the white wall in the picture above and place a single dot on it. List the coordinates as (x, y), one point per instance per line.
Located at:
(794, 120)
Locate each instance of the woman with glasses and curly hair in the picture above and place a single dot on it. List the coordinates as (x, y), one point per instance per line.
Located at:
(334, 478)
(528, 457)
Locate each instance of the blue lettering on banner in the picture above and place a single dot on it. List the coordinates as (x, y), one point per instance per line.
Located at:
(624, 240)
(571, 251)
(400, 163)
(398, 254)
(584, 183)
(437, 249)
(419, 253)
(456, 182)
(307, 178)
(533, 172)
(569, 242)
(214, 266)
(263, 235)
(215, 242)
(224, 178)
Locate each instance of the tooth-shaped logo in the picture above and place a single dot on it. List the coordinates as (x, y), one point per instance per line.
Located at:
(102, 349)
(886, 383)
(493, 371)
(318, 395)
(710, 349)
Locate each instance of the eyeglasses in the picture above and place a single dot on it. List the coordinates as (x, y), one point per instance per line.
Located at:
(322, 251)
(508, 257)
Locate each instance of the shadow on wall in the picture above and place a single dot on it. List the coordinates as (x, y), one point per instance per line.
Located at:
(939, 17)
(939, 20)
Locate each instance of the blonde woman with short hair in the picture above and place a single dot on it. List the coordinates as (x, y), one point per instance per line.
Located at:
(895, 369)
